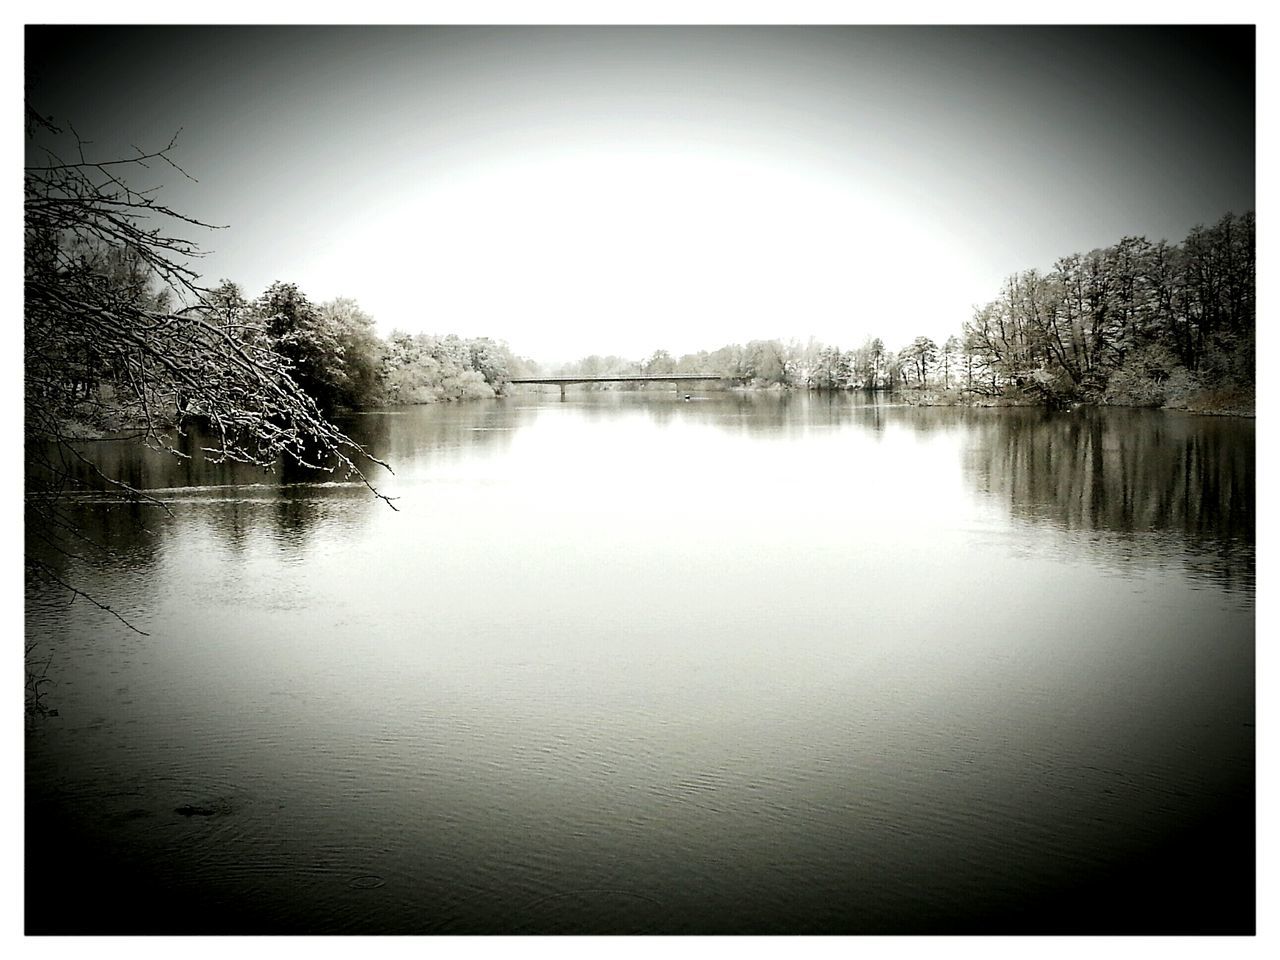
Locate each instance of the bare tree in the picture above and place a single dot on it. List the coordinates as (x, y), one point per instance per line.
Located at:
(120, 332)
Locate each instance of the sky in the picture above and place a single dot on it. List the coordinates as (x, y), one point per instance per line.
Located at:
(616, 190)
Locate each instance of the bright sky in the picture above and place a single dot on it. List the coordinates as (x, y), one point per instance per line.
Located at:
(619, 190)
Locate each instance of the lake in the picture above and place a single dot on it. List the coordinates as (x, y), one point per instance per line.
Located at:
(750, 663)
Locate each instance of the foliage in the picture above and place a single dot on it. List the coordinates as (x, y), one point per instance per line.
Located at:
(299, 334)
(359, 356)
(917, 359)
(423, 368)
(493, 361)
(951, 360)
(659, 363)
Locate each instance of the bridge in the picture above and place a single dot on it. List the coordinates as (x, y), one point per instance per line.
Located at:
(679, 379)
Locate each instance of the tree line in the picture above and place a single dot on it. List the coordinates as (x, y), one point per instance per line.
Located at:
(336, 356)
(1137, 323)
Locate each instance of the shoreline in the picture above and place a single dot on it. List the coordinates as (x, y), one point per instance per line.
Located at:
(1204, 408)
(83, 432)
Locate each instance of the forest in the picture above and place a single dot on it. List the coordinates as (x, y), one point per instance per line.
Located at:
(1134, 324)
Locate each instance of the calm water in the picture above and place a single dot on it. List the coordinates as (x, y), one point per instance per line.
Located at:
(627, 664)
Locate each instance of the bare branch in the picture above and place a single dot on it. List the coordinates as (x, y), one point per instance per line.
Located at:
(120, 332)
(48, 573)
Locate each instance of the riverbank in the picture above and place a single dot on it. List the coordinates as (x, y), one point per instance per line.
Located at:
(1231, 402)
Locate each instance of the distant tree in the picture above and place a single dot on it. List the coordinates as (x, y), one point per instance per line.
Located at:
(729, 361)
(300, 334)
(920, 355)
(896, 370)
(830, 369)
(409, 373)
(356, 369)
(769, 362)
(820, 366)
(424, 368)
(333, 349)
(808, 360)
(694, 363)
(844, 372)
(226, 307)
(492, 360)
(1118, 322)
(951, 354)
(660, 362)
(876, 369)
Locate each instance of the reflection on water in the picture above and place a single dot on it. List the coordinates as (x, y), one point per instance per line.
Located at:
(1164, 484)
(1157, 485)
(747, 663)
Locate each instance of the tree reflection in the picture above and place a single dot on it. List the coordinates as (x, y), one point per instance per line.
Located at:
(1155, 485)
(750, 412)
(97, 528)
(1146, 477)
(406, 435)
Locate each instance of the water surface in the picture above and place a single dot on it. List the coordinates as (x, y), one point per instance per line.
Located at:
(623, 664)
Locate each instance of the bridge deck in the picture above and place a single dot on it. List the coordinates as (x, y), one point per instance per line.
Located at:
(670, 377)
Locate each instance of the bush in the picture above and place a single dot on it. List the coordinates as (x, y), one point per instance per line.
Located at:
(1181, 388)
(1148, 378)
(1053, 387)
(1128, 387)
(467, 385)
